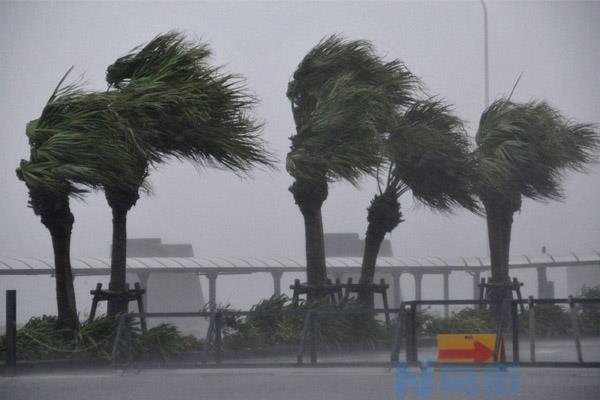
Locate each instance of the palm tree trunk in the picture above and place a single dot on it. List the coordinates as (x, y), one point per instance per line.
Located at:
(373, 239)
(120, 202)
(315, 246)
(383, 216)
(56, 216)
(499, 214)
(499, 224)
(310, 197)
(65, 290)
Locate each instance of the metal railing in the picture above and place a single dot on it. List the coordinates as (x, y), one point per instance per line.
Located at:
(508, 309)
(307, 340)
(405, 330)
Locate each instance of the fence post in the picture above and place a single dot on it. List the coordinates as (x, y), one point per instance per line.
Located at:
(305, 331)
(515, 330)
(395, 357)
(531, 329)
(415, 355)
(129, 341)
(481, 293)
(96, 294)
(209, 335)
(408, 334)
(11, 332)
(115, 350)
(140, 304)
(313, 339)
(500, 329)
(218, 325)
(446, 279)
(573, 313)
(517, 288)
(411, 334)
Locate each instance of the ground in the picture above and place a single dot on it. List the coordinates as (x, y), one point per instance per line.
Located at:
(276, 384)
(327, 383)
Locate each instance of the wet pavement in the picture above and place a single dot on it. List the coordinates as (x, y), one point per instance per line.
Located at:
(295, 384)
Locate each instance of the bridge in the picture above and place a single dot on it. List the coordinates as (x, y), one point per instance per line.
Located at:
(337, 267)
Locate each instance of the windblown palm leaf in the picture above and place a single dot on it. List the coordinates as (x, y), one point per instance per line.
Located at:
(178, 105)
(344, 138)
(166, 58)
(526, 148)
(428, 154)
(335, 57)
(343, 98)
(78, 142)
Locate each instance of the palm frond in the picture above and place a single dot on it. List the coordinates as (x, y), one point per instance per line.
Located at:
(78, 142)
(429, 155)
(178, 105)
(344, 97)
(341, 137)
(166, 58)
(334, 56)
(527, 147)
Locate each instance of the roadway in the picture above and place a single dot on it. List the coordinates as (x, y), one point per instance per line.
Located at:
(280, 384)
(306, 383)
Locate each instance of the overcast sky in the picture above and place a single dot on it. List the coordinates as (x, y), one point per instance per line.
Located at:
(554, 44)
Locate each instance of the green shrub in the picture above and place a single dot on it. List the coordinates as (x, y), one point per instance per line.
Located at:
(191, 343)
(265, 331)
(40, 337)
(468, 320)
(589, 314)
(550, 320)
(43, 338)
(96, 338)
(162, 341)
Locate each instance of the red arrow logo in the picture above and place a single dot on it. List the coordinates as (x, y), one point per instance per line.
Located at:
(480, 353)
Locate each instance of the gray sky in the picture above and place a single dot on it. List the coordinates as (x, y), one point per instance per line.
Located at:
(554, 44)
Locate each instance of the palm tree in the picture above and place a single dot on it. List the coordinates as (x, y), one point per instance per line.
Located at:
(177, 105)
(71, 150)
(56, 216)
(343, 98)
(523, 150)
(426, 153)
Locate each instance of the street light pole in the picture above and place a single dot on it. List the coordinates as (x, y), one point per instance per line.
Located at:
(486, 76)
(486, 64)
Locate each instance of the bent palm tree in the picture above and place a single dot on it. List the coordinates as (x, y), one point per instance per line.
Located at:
(523, 151)
(343, 98)
(427, 153)
(71, 148)
(56, 216)
(177, 105)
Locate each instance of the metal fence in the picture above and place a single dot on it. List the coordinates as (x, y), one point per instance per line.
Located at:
(405, 330)
(307, 342)
(509, 315)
